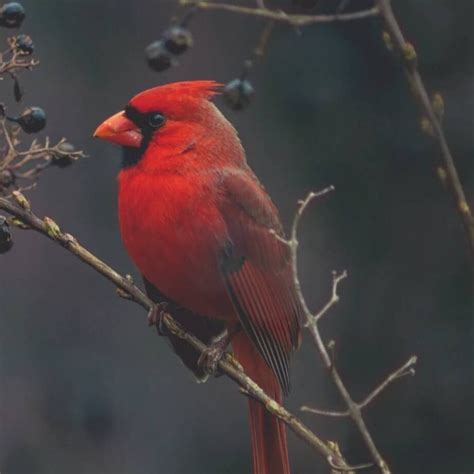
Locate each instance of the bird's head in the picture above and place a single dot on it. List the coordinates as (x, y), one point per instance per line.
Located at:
(166, 119)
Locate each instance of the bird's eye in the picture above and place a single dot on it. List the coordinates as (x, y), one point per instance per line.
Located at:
(156, 120)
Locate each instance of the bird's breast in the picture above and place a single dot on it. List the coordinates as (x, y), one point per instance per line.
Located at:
(173, 231)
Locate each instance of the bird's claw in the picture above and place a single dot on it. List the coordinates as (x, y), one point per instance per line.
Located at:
(210, 358)
(155, 317)
(214, 352)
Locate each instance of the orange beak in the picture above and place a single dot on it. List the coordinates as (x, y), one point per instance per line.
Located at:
(120, 130)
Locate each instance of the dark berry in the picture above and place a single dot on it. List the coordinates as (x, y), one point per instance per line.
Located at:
(158, 58)
(62, 161)
(25, 44)
(6, 241)
(238, 93)
(177, 39)
(12, 15)
(32, 120)
(7, 178)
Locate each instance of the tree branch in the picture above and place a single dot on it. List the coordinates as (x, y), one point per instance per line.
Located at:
(25, 218)
(353, 408)
(404, 370)
(431, 122)
(279, 15)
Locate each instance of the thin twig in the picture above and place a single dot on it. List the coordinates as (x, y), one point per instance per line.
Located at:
(396, 41)
(404, 370)
(228, 365)
(259, 50)
(353, 409)
(28, 164)
(262, 45)
(358, 467)
(6, 134)
(281, 16)
(293, 241)
(336, 279)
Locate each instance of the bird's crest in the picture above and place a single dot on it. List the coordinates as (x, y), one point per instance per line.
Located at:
(175, 92)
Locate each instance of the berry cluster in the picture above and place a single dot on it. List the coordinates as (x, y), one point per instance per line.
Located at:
(174, 41)
(16, 165)
(177, 39)
(16, 57)
(238, 92)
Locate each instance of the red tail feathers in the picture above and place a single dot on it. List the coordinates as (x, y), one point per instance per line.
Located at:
(268, 435)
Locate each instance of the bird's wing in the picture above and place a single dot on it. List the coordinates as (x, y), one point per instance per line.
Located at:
(257, 272)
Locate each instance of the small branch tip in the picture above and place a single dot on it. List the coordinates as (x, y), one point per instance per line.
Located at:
(358, 467)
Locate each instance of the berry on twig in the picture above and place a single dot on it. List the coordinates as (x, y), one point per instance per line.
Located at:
(12, 15)
(65, 159)
(238, 93)
(157, 56)
(177, 39)
(32, 119)
(25, 44)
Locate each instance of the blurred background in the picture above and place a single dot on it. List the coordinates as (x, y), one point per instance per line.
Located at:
(87, 387)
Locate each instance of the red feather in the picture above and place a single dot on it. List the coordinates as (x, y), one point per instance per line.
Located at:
(262, 289)
(197, 223)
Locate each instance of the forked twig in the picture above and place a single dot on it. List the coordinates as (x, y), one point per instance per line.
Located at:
(403, 371)
(27, 164)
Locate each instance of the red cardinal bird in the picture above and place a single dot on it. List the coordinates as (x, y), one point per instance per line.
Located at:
(197, 223)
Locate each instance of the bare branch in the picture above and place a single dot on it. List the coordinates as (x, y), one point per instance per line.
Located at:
(327, 352)
(279, 15)
(431, 123)
(404, 370)
(293, 242)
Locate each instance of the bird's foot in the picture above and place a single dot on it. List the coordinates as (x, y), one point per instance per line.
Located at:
(211, 356)
(155, 318)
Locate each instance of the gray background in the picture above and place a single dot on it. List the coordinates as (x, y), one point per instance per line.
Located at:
(86, 387)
